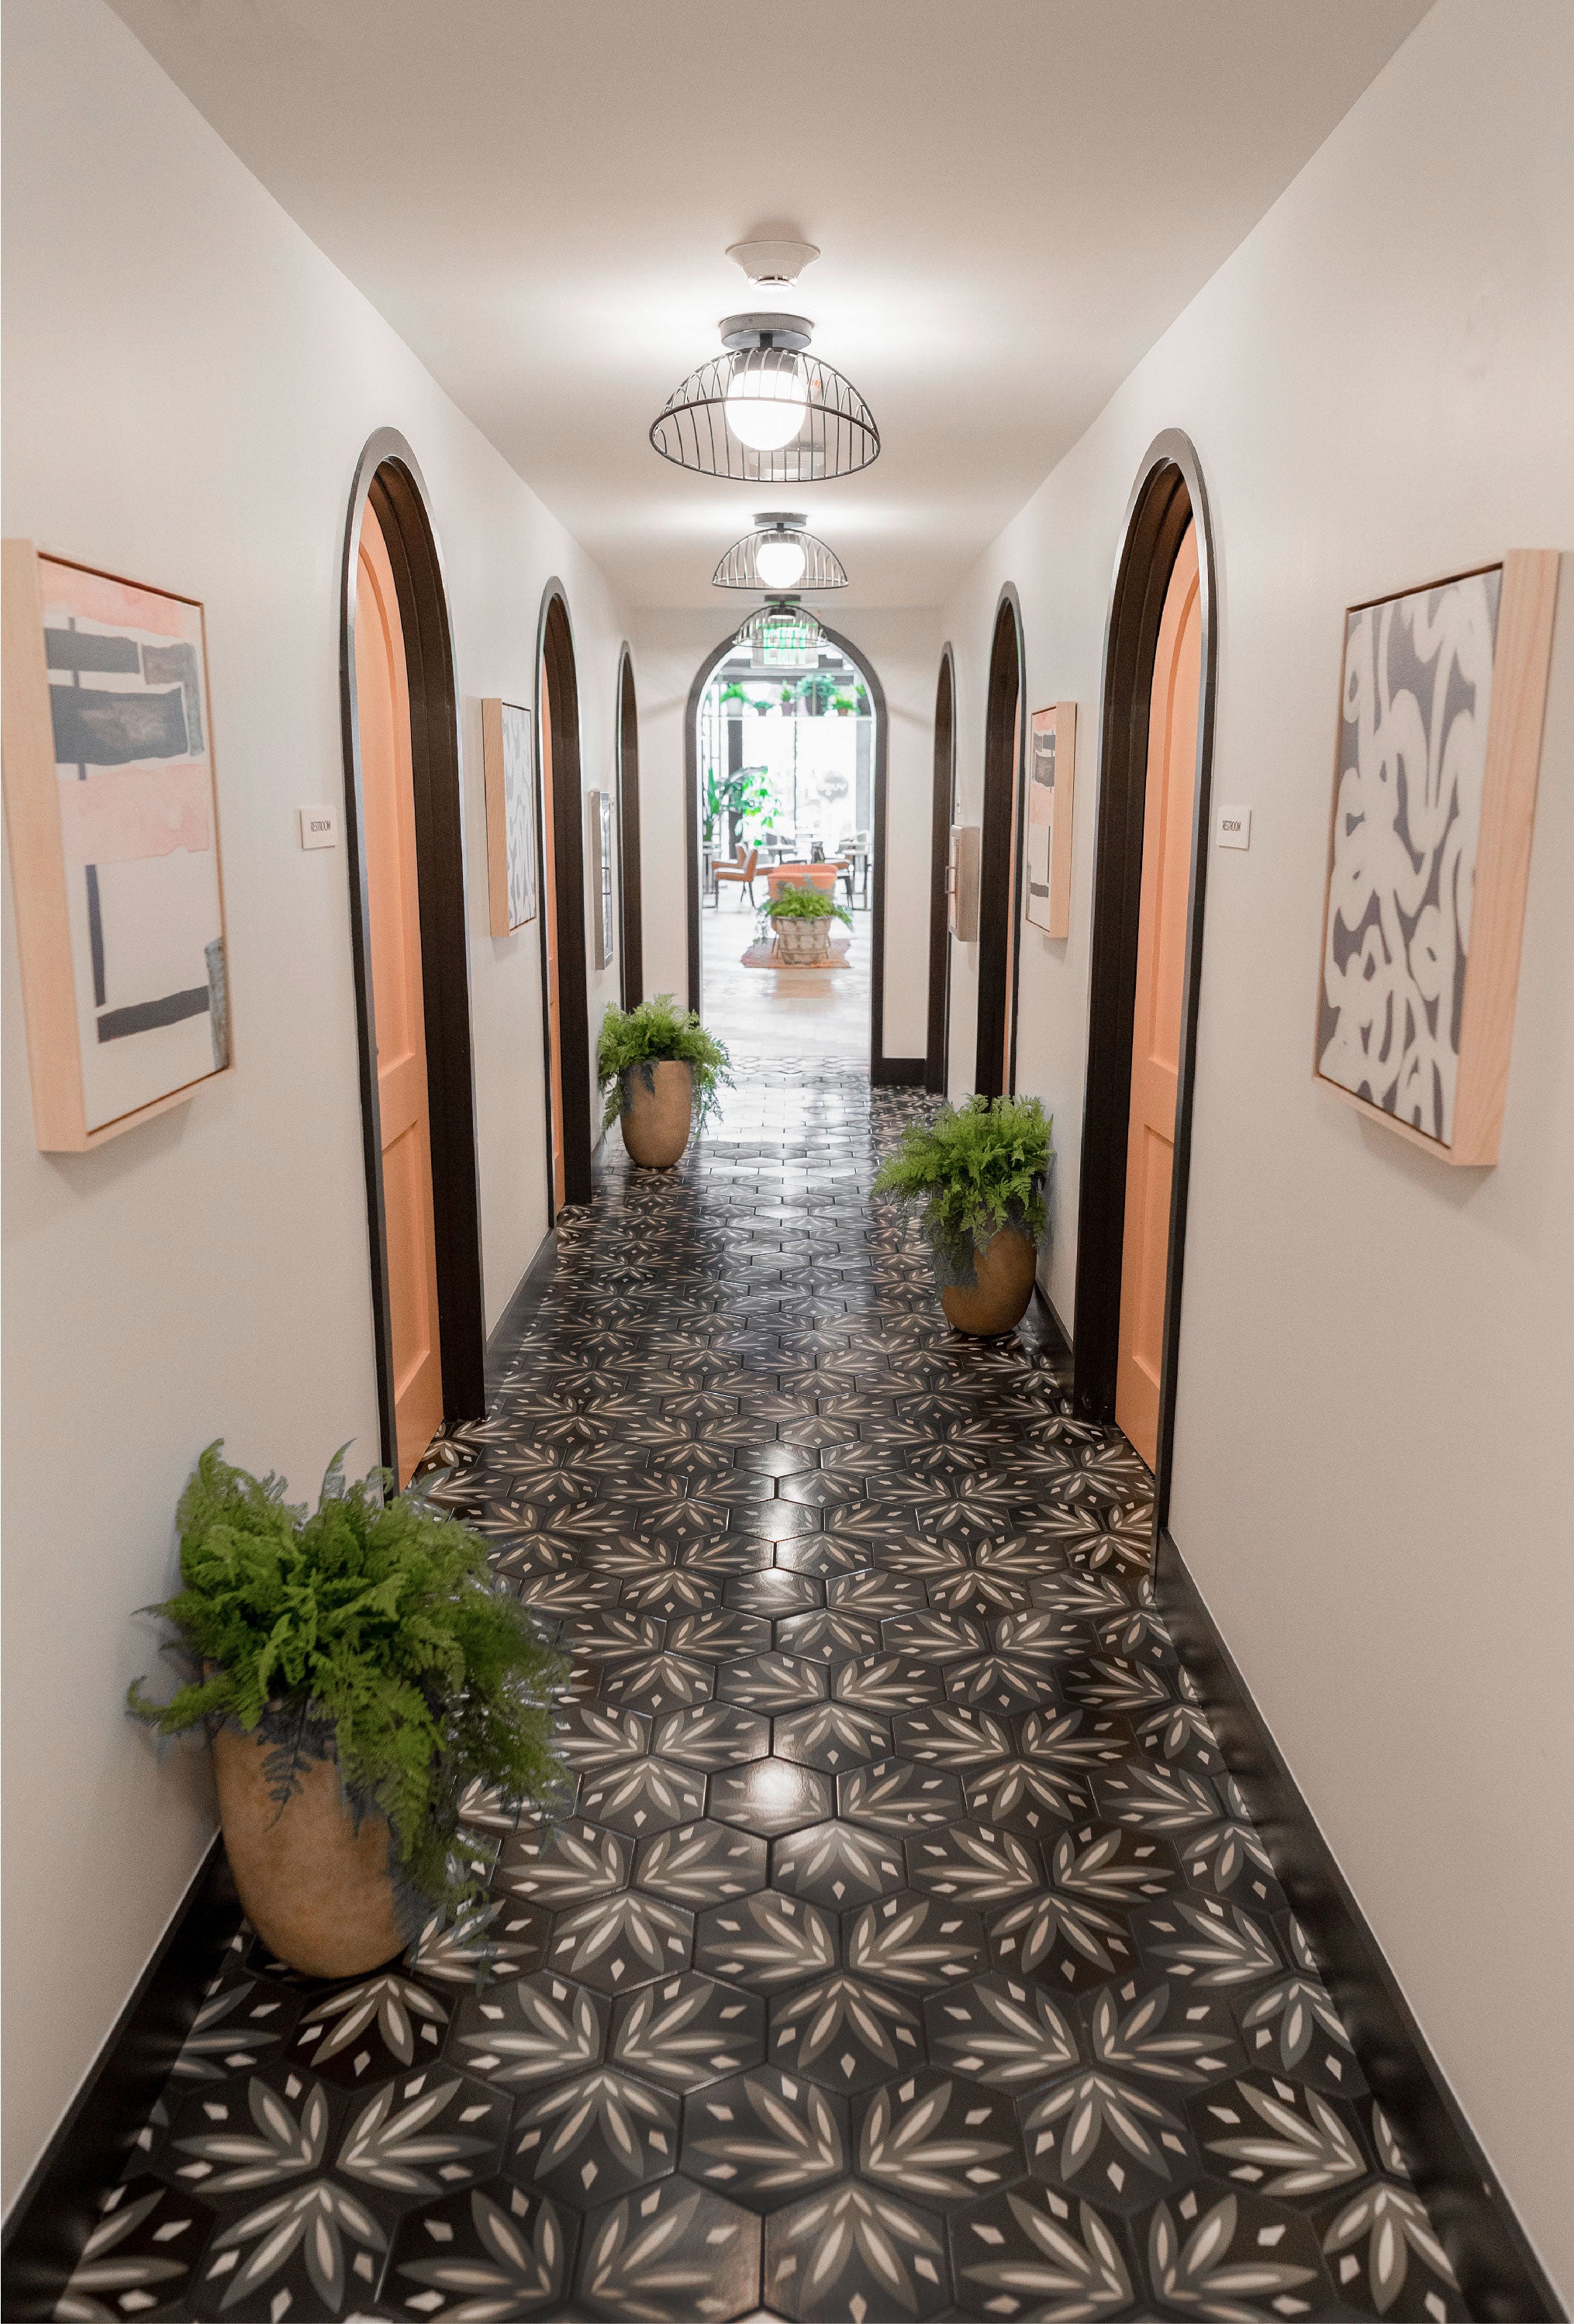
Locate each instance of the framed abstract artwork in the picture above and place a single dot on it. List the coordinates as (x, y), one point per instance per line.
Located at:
(509, 765)
(113, 821)
(1439, 742)
(602, 896)
(1051, 763)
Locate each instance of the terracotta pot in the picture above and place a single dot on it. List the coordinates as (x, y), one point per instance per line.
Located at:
(997, 1302)
(315, 1888)
(658, 1108)
(803, 941)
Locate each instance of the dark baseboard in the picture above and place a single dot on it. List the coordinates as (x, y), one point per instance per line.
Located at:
(1053, 1313)
(897, 1072)
(520, 1311)
(1499, 2273)
(58, 2209)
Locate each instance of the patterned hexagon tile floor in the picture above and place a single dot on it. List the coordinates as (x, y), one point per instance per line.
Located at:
(904, 1951)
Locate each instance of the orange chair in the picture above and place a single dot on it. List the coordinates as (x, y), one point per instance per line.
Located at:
(741, 874)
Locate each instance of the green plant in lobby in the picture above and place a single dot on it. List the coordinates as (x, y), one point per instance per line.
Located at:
(978, 1170)
(806, 904)
(357, 1657)
(654, 1058)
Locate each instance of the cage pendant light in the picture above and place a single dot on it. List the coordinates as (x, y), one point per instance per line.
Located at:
(780, 555)
(766, 412)
(783, 635)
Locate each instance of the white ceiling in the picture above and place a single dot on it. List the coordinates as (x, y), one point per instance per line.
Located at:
(1013, 199)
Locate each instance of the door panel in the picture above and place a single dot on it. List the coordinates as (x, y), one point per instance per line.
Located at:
(1160, 990)
(550, 937)
(388, 802)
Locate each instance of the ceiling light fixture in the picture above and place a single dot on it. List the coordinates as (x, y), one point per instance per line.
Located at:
(766, 410)
(783, 635)
(781, 554)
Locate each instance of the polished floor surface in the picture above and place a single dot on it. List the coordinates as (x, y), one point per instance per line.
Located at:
(775, 1015)
(903, 1951)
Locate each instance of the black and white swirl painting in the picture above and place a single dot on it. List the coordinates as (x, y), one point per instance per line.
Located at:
(1407, 817)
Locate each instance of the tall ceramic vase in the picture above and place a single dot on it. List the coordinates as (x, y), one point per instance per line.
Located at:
(804, 944)
(1005, 1265)
(316, 1887)
(658, 1107)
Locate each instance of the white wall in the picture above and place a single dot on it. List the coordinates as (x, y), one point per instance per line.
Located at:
(903, 646)
(1377, 1360)
(189, 385)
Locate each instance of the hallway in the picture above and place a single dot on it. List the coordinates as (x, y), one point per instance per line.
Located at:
(785, 1013)
(903, 1951)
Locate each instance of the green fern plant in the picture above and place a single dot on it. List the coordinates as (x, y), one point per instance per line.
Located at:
(974, 1169)
(370, 1632)
(806, 904)
(634, 1041)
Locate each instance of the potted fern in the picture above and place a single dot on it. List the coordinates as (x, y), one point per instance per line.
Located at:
(357, 1670)
(978, 1171)
(663, 1074)
(801, 920)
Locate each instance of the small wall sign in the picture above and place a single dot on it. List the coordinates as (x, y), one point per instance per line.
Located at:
(1233, 827)
(318, 827)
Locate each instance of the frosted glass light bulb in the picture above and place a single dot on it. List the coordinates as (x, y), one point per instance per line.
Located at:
(780, 560)
(766, 402)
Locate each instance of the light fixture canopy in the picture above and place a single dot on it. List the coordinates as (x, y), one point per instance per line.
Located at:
(766, 410)
(780, 555)
(781, 635)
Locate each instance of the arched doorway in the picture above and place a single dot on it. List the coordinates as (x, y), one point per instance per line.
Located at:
(411, 969)
(942, 816)
(882, 1069)
(999, 932)
(628, 837)
(1150, 872)
(563, 972)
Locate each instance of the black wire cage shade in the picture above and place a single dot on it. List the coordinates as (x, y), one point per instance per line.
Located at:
(781, 635)
(765, 367)
(821, 568)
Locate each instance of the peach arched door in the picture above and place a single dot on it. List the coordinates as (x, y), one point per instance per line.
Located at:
(388, 806)
(1155, 1068)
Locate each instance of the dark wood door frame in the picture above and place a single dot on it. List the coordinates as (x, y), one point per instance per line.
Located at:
(555, 657)
(999, 848)
(882, 1070)
(1169, 494)
(387, 477)
(630, 892)
(942, 815)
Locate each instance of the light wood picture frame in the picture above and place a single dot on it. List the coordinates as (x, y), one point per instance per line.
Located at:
(508, 763)
(111, 817)
(603, 898)
(1052, 769)
(1442, 699)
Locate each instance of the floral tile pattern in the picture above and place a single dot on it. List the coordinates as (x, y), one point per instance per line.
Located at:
(903, 1951)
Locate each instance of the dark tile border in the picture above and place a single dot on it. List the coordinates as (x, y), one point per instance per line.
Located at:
(57, 2210)
(1500, 2276)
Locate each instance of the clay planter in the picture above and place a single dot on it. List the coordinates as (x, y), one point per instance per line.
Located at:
(658, 1107)
(804, 944)
(1005, 1265)
(315, 1889)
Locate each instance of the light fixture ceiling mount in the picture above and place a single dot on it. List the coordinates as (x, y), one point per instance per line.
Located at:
(780, 555)
(777, 261)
